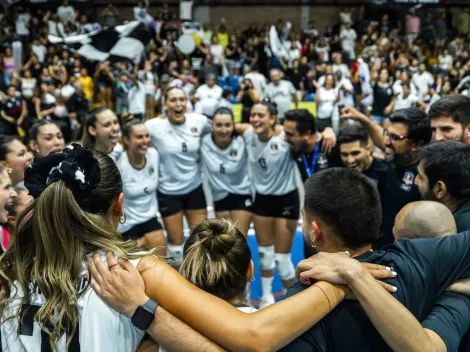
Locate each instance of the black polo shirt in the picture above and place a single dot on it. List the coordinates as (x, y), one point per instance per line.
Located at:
(399, 191)
(425, 267)
(462, 216)
(379, 172)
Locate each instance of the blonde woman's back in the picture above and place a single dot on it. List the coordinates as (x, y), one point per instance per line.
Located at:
(100, 327)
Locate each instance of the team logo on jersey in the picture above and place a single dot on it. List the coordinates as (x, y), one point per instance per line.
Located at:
(322, 161)
(194, 130)
(408, 180)
(151, 170)
(233, 153)
(274, 147)
(248, 203)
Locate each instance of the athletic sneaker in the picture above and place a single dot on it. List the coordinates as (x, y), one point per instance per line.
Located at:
(266, 301)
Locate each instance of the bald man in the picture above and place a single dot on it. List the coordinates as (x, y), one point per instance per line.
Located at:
(424, 219)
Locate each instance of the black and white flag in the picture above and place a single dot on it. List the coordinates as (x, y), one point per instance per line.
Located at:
(127, 41)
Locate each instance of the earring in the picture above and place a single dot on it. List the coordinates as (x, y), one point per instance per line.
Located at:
(10, 170)
(253, 279)
(123, 218)
(314, 244)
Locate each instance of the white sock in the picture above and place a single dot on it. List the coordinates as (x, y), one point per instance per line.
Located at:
(266, 285)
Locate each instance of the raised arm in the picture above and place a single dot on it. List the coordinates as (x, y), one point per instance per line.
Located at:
(375, 131)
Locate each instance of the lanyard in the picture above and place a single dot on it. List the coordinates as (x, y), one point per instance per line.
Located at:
(311, 170)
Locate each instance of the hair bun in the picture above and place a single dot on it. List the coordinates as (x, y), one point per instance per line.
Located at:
(217, 237)
(76, 166)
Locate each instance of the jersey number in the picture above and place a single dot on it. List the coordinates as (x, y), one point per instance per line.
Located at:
(184, 147)
(262, 163)
(222, 169)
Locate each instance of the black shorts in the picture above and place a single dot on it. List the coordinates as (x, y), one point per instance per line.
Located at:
(171, 204)
(235, 202)
(286, 206)
(140, 230)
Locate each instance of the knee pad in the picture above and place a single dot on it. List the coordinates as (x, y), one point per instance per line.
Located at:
(284, 266)
(175, 252)
(266, 257)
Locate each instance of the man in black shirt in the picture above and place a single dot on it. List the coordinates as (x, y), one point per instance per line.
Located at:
(309, 154)
(444, 176)
(342, 213)
(450, 118)
(356, 153)
(409, 130)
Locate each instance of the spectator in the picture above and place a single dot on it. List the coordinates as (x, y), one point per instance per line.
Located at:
(87, 83)
(66, 12)
(282, 93)
(110, 15)
(326, 98)
(13, 113)
(226, 101)
(257, 79)
(208, 96)
(348, 38)
(216, 50)
(413, 27)
(423, 80)
(247, 96)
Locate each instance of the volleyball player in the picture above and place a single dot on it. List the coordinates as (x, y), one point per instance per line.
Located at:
(88, 190)
(15, 157)
(276, 207)
(45, 137)
(224, 161)
(101, 132)
(139, 171)
(217, 259)
(177, 138)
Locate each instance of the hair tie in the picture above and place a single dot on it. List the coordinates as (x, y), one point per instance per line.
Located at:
(76, 166)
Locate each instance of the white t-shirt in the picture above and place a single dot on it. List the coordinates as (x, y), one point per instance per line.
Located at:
(405, 103)
(101, 328)
(423, 81)
(258, 80)
(327, 102)
(179, 148)
(40, 51)
(348, 37)
(139, 187)
(281, 95)
(66, 13)
(136, 99)
(208, 99)
(217, 51)
(20, 24)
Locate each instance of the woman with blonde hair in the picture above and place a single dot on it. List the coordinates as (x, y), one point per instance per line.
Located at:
(217, 259)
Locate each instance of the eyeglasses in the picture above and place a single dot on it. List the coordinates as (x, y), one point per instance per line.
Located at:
(394, 137)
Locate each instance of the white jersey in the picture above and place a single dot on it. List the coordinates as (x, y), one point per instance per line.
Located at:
(179, 147)
(116, 153)
(139, 187)
(101, 328)
(272, 164)
(225, 169)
